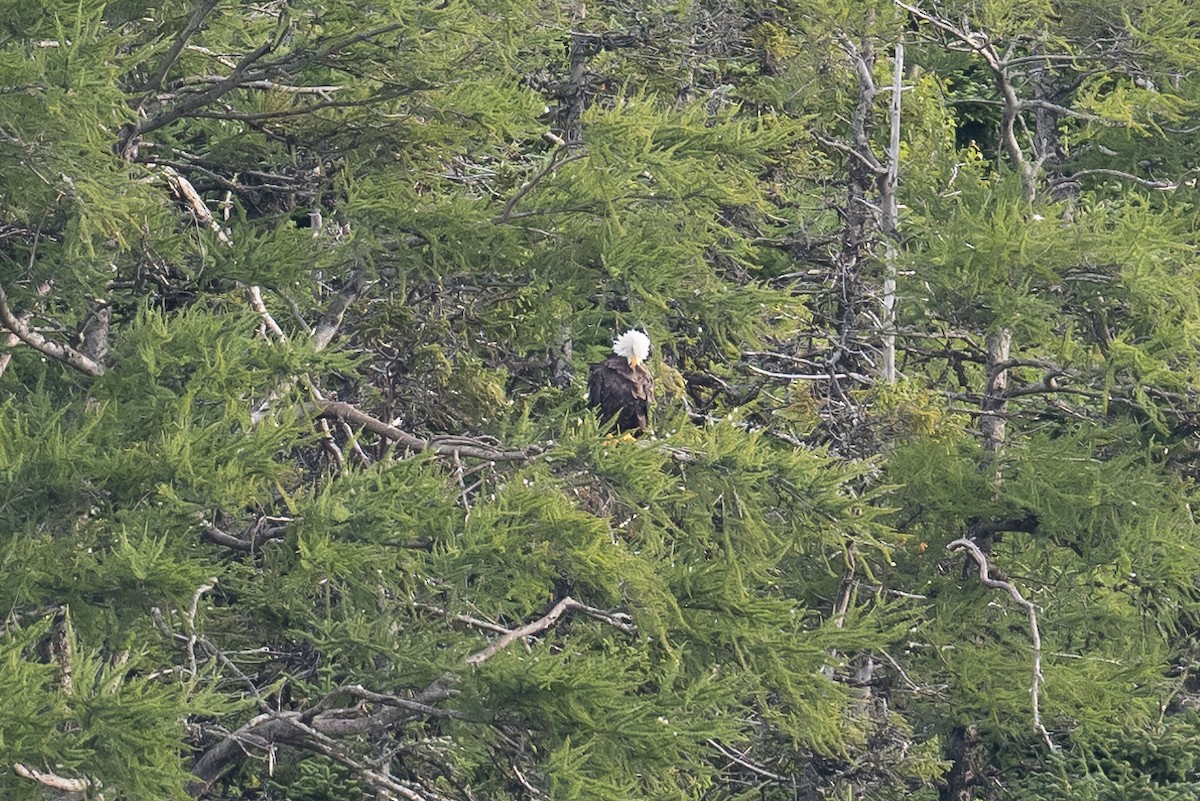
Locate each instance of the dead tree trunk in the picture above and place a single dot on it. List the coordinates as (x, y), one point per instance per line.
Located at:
(962, 748)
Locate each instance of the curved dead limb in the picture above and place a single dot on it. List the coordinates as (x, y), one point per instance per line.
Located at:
(1035, 636)
(618, 620)
(981, 45)
(329, 323)
(10, 339)
(445, 446)
(557, 159)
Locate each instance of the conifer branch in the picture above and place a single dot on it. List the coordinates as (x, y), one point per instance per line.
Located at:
(258, 534)
(741, 759)
(868, 159)
(1162, 186)
(315, 728)
(322, 335)
(983, 46)
(407, 704)
(172, 55)
(200, 99)
(320, 742)
(190, 619)
(467, 619)
(264, 85)
(11, 340)
(1034, 635)
(254, 294)
(534, 793)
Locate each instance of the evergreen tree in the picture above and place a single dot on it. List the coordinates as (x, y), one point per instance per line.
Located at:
(301, 497)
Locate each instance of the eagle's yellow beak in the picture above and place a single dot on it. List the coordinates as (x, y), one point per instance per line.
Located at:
(633, 361)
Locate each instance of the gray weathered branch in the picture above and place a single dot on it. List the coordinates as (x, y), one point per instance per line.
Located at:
(1034, 635)
(445, 446)
(19, 327)
(617, 619)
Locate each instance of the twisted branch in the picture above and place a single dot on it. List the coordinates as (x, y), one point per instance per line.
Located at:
(1034, 635)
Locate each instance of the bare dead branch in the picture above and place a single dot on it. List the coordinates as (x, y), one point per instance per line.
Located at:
(1164, 186)
(53, 780)
(318, 725)
(355, 446)
(263, 85)
(743, 760)
(183, 187)
(316, 728)
(331, 445)
(190, 619)
(11, 340)
(254, 293)
(870, 163)
(200, 99)
(890, 219)
(1046, 105)
(409, 705)
(1034, 635)
(444, 446)
(553, 164)
(982, 45)
(808, 376)
(467, 619)
(19, 327)
(617, 619)
(316, 740)
(328, 326)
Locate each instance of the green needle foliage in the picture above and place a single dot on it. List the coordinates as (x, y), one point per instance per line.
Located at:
(300, 496)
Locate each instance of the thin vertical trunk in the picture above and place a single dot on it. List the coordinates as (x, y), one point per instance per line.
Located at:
(891, 222)
(999, 346)
(994, 407)
(864, 175)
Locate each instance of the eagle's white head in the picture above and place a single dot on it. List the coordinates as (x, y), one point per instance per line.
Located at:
(633, 345)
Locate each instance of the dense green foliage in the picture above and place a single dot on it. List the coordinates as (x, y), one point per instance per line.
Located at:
(300, 496)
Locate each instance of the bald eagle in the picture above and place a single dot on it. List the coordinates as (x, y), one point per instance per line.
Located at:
(620, 387)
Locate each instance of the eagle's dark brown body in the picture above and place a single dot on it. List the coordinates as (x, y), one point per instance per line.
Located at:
(621, 392)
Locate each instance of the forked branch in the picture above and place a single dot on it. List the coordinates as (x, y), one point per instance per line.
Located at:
(616, 619)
